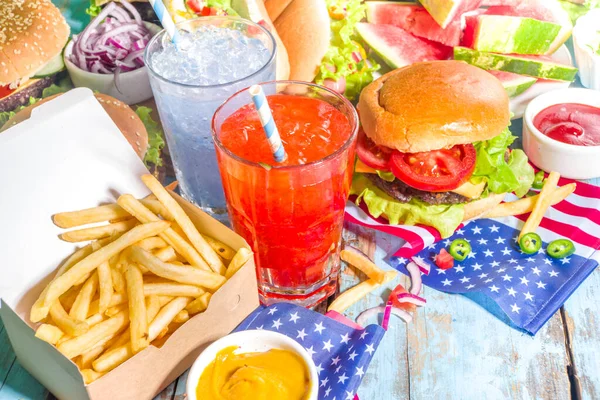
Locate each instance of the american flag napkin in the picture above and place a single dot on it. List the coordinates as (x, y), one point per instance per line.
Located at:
(341, 352)
(525, 290)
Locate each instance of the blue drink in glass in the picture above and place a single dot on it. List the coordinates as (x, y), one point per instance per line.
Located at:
(215, 58)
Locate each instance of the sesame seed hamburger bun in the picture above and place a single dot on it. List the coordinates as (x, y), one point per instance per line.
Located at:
(433, 105)
(32, 33)
(128, 122)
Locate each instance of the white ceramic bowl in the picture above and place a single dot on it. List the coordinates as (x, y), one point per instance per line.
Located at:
(251, 341)
(571, 161)
(588, 62)
(134, 85)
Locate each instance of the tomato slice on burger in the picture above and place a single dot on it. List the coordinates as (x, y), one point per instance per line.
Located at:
(5, 91)
(374, 156)
(434, 171)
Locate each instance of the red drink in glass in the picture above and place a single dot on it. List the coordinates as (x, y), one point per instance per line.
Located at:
(291, 213)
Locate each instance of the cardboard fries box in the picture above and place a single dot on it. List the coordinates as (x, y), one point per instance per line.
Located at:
(70, 156)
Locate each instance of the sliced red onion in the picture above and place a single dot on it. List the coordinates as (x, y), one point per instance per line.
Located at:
(412, 298)
(356, 56)
(338, 86)
(424, 267)
(116, 38)
(372, 312)
(415, 277)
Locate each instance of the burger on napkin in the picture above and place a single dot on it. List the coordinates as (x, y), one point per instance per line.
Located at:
(433, 149)
(322, 44)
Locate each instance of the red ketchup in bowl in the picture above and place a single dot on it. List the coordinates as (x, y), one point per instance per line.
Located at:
(570, 123)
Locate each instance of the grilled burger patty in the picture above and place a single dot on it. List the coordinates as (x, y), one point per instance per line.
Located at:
(404, 193)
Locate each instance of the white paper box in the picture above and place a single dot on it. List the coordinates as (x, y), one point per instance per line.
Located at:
(70, 155)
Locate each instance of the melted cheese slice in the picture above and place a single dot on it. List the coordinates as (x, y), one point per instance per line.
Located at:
(467, 189)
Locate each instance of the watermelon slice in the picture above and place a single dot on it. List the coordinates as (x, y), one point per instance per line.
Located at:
(509, 34)
(514, 84)
(415, 19)
(399, 48)
(444, 11)
(541, 10)
(539, 67)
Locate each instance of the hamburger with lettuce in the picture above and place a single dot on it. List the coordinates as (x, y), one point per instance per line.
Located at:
(434, 146)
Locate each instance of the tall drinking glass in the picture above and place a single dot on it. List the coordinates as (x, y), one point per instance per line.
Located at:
(291, 213)
(217, 56)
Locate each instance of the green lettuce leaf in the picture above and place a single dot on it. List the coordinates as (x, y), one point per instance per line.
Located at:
(156, 141)
(502, 176)
(338, 60)
(93, 10)
(386, 175)
(445, 217)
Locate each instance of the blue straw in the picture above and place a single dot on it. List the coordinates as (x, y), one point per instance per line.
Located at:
(268, 124)
(165, 19)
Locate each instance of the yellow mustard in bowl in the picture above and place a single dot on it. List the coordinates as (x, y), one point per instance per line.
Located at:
(271, 375)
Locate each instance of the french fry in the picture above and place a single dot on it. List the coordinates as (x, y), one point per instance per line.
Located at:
(98, 232)
(187, 275)
(181, 317)
(112, 311)
(88, 264)
(39, 311)
(115, 300)
(68, 298)
(113, 358)
(105, 329)
(119, 341)
(240, 258)
(172, 186)
(138, 317)
(94, 319)
(89, 375)
(158, 343)
(49, 333)
(198, 305)
(163, 300)
(172, 289)
(362, 263)
(152, 243)
(86, 359)
(89, 216)
(162, 333)
(541, 205)
(166, 315)
(354, 294)
(175, 240)
(525, 205)
(152, 307)
(166, 254)
(220, 248)
(81, 306)
(182, 219)
(66, 323)
(157, 208)
(105, 286)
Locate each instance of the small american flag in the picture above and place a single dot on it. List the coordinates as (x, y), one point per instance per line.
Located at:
(341, 351)
(529, 289)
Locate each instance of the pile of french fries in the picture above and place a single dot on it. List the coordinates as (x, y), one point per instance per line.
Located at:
(145, 273)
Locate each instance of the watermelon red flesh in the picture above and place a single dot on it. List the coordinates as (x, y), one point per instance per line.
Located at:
(445, 11)
(399, 48)
(414, 19)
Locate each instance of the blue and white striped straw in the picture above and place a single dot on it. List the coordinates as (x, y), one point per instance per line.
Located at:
(165, 19)
(268, 124)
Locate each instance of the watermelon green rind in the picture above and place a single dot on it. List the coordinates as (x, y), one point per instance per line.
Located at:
(514, 84)
(398, 48)
(514, 35)
(520, 65)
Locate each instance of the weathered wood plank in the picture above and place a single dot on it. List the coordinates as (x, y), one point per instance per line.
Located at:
(387, 376)
(582, 313)
(168, 393)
